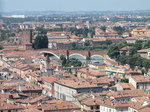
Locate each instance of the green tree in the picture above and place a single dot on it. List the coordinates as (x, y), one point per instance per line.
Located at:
(63, 60)
(41, 42)
(146, 63)
(73, 45)
(74, 62)
(123, 59)
(85, 32)
(3, 36)
(113, 51)
(143, 72)
(41, 30)
(138, 46)
(120, 30)
(123, 53)
(139, 61)
(103, 28)
(16, 49)
(108, 42)
(125, 80)
(70, 62)
(138, 41)
(92, 31)
(102, 43)
(146, 44)
(87, 58)
(87, 43)
(132, 51)
(136, 55)
(132, 60)
(1, 47)
(62, 57)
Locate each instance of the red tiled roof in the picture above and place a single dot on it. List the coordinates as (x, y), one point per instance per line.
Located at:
(141, 78)
(6, 106)
(92, 72)
(127, 86)
(31, 110)
(59, 105)
(50, 79)
(142, 50)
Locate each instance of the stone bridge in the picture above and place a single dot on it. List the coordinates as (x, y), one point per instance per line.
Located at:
(81, 55)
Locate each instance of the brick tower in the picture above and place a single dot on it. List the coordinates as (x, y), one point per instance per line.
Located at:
(27, 39)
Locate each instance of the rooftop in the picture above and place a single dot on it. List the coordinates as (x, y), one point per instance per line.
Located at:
(141, 78)
(76, 83)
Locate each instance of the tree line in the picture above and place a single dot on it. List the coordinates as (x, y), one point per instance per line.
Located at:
(120, 30)
(86, 32)
(5, 34)
(133, 58)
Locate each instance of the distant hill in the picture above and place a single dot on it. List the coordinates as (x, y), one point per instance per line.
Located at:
(74, 12)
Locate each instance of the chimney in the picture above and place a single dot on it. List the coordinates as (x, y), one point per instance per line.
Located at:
(41, 67)
(94, 102)
(112, 103)
(103, 101)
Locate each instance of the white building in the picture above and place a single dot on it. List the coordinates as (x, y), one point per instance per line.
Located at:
(65, 88)
(18, 16)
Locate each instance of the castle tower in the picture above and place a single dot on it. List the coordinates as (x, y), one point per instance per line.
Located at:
(27, 39)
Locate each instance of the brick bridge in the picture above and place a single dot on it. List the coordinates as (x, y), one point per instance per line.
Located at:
(95, 56)
(72, 53)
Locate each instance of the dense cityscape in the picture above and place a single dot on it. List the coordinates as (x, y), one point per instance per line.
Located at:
(75, 61)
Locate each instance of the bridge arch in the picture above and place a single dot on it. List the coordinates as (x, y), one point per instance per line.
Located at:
(97, 59)
(53, 55)
(77, 56)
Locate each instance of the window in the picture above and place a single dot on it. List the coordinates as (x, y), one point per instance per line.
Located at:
(91, 107)
(109, 110)
(104, 108)
(97, 107)
(145, 86)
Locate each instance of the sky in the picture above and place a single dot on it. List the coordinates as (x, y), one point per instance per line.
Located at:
(73, 5)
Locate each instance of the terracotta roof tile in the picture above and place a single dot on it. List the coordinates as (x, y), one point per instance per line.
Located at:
(59, 105)
(102, 80)
(142, 50)
(6, 106)
(76, 83)
(127, 86)
(141, 78)
(31, 110)
(93, 72)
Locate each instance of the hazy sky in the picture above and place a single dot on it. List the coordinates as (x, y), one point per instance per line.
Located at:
(73, 5)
